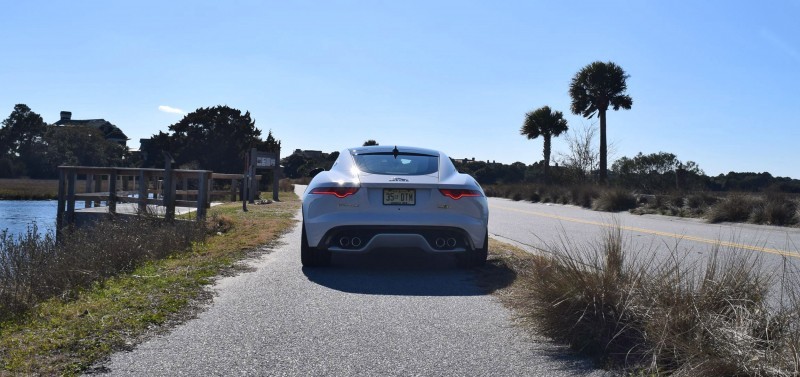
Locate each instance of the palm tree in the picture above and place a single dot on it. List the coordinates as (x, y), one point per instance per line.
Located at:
(546, 123)
(593, 89)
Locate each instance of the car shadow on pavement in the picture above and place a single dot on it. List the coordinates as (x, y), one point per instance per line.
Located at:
(409, 273)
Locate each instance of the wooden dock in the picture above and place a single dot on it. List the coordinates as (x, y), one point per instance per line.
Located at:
(128, 191)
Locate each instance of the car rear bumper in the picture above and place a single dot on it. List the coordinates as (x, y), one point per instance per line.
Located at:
(364, 238)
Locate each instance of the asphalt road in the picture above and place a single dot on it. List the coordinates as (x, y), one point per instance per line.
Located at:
(542, 227)
(407, 314)
(389, 314)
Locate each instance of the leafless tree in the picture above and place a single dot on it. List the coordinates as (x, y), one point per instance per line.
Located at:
(583, 158)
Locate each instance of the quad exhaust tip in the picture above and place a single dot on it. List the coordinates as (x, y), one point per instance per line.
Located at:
(347, 242)
(445, 243)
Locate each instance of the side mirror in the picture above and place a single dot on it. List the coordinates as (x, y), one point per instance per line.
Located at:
(313, 173)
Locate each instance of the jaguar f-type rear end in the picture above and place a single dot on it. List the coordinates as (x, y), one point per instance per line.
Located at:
(393, 197)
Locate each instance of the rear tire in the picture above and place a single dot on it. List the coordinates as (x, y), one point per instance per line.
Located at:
(476, 257)
(311, 256)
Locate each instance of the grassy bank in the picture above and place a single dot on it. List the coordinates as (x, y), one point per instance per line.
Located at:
(30, 189)
(633, 312)
(67, 333)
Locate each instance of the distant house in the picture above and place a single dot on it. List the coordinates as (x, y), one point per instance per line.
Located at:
(313, 155)
(110, 131)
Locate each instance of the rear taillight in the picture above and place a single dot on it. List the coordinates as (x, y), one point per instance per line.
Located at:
(340, 192)
(456, 194)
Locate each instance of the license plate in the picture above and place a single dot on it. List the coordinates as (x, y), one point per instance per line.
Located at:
(403, 197)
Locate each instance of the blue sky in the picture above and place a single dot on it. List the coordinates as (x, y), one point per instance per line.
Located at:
(715, 82)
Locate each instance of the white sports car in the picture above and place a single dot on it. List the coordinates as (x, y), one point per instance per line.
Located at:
(394, 197)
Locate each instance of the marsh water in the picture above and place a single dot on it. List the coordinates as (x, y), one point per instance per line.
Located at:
(18, 215)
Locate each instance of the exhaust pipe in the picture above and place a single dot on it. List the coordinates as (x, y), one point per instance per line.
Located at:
(355, 241)
(344, 242)
(440, 242)
(451, 242)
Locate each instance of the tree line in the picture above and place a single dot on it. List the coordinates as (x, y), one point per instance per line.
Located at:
(660, 172)
(29, 147)
(653, 173)
(214, 138)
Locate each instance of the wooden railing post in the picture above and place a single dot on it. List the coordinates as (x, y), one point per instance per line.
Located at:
(71, 196)
(89, 182)
(276, 178)
(112, 192)
(62, 200)
(144, 183)
(168, 190)
(98, 187)
(202, 195)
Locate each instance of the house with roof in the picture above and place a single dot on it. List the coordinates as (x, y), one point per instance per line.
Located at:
(109, 130)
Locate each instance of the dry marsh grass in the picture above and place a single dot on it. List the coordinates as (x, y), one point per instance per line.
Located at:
(67, 333)
(770, 209)
(630, 311)
(614, 200)
(34, 268)
(28, 189)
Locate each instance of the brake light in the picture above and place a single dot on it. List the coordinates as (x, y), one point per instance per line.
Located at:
(340, 192)
(456, 194)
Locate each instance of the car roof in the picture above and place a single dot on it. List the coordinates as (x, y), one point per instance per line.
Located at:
(390, 148)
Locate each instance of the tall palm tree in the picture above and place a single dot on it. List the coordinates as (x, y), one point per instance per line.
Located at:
(593, 89)
(545, 123)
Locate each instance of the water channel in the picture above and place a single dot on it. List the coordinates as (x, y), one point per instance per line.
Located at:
(18, 215)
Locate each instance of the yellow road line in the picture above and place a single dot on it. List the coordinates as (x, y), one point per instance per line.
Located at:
(658, 233)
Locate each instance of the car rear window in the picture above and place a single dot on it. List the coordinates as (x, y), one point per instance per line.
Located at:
(402, 164)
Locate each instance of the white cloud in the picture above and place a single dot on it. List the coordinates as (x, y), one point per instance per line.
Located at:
(168, 109)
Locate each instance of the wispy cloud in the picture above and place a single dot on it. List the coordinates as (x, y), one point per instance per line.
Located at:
(168, 109)
(780, 44)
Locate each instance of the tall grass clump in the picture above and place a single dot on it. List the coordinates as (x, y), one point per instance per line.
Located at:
(285, 185)
(775, 209)
(648, 314)
(712, 318)
(615, 200)
(584, 195)
(34, 267)
(735, 207)
(584, 297)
